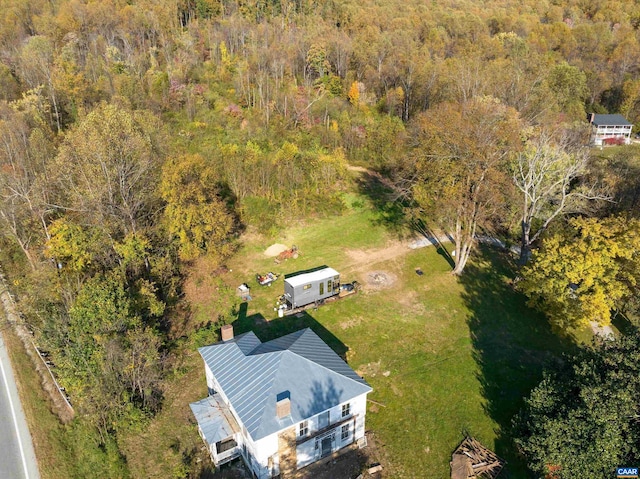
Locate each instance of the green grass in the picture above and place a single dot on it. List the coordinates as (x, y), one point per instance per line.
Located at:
(458, 355)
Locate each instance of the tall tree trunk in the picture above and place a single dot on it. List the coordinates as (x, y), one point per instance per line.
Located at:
(525, 248)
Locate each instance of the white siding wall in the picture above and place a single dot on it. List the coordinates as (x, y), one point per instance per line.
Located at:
(307, 451)
(599, 133)
(263, 450)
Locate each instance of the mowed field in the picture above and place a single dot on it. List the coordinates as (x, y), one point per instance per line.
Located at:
(445, 356)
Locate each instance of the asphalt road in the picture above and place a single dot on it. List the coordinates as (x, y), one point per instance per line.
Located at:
(17, 459)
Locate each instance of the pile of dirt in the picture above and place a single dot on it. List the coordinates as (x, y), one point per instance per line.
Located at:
(274, 250)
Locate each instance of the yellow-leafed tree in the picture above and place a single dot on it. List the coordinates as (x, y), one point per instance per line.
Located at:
(195, 214)
(583, 274)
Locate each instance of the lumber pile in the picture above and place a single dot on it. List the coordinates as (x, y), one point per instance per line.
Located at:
(471, 460)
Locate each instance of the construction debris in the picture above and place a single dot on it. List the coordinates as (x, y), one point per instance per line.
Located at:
(287, 254)
(471, 460)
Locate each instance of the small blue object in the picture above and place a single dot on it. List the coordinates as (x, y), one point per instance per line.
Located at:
(283, 395)
(627, 472)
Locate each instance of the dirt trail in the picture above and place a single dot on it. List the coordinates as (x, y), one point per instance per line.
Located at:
(361, 260)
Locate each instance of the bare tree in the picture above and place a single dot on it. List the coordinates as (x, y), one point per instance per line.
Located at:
(25, 195)
(548, 174)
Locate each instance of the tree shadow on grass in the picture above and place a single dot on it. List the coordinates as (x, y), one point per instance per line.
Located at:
(623, 324)
(512, 344)
(390, 211)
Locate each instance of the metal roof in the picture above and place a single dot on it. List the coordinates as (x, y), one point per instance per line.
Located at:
(214, 418)
(312, 276)
(300, 363)
(610, 120)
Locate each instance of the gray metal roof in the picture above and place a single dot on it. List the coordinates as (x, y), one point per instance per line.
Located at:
(301, 363)
(610, 120)
(214, 418)
(312, 276)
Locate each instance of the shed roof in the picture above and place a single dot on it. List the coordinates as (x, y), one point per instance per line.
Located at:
(311, 276)
(252, 374)
(214, 418)
(610, 120)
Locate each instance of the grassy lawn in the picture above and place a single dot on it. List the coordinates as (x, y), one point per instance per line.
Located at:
(445, 356)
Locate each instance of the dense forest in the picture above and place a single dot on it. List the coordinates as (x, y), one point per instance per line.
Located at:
(137, 136)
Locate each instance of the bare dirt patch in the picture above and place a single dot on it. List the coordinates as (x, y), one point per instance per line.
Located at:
(396, 390)
(377, 280)
(410, 302)
(199, 285)
(369, 369)
(275, 249)
(350, 323)
(365, 258)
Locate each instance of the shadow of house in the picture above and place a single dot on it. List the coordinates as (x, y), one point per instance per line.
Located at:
(512, 344)
(274, 328)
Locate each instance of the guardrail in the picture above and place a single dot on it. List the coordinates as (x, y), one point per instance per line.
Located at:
(13, 318)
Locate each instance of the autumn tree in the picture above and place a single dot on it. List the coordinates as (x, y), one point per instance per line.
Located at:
(111, 362)
(36, 62)
(196, 214)
(460, 155)
(109, 166)
(568, 86)
(580, 275)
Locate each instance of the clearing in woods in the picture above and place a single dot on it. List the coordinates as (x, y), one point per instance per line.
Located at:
(445, 356)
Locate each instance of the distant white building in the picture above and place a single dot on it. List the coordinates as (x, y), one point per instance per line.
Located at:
(609, 130)
(281, 405)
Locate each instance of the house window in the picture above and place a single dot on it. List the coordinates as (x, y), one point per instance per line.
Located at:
(346, 409)
(304, 428)
(345, 432)
(324, 419)
(329, 287)
(321, 288)
(306, 287)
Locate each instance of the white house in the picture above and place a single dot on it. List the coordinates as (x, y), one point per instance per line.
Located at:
(609, 129)
(281, 405)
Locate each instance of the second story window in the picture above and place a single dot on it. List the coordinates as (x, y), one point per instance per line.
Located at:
(304, 428)
(346, 409)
